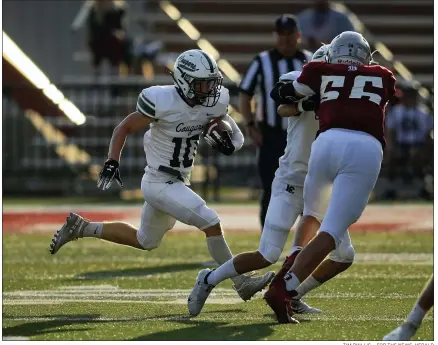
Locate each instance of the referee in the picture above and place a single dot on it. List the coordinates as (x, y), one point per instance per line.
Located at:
(266, 128)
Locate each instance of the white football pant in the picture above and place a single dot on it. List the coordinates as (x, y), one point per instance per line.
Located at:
(167, 202)
(285, 206)
(348, 162)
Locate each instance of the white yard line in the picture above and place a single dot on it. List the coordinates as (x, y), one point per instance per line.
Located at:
(105, 294)
(182, 301)
(111, 294)
(206, 317)
(140, 276)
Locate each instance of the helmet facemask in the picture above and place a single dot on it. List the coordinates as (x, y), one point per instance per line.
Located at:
(205, 91)
(196, 75)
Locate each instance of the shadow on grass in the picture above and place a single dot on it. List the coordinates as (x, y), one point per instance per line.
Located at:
(52, 325)
(136, 272)
(211, 330)
(48, 324)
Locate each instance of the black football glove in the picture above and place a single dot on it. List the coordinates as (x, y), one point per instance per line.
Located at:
(308, 104)
(109, 172)
(221, 142)
(284, 93)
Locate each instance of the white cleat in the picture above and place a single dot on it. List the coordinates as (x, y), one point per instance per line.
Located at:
(250, 285)
(300, 307)
(403, 332)
(200, 292)
(70, 231)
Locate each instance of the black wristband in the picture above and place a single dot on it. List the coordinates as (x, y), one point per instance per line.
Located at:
(112, 162)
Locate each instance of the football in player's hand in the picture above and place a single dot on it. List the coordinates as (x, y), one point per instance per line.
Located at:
(217, 134)
(217, 126)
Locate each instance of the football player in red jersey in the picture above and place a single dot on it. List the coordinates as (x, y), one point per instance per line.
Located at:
(347, 154)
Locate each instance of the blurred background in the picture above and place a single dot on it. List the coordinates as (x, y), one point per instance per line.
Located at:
(72, 70)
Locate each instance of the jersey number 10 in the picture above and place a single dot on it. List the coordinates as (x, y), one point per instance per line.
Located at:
(188, 156)
(336, 81)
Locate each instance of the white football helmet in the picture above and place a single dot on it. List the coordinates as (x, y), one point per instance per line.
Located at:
(197, 76)
(349, 48)
(321, 53)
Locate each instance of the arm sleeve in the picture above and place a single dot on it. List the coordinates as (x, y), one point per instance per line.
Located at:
(291, 76)
(303, 89)
(237, 137)
(308, 82)
(146, 103)
(249, 81)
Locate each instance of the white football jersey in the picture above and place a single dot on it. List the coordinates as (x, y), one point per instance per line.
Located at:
(301, 132)
(173, 137)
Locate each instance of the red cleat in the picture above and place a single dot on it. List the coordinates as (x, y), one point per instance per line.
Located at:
(277, 297)
(287, 264)
(279, 302)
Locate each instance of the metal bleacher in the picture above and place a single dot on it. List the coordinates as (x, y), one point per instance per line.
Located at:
(239, 29)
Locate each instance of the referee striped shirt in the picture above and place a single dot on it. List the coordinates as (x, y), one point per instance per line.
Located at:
(261, 76)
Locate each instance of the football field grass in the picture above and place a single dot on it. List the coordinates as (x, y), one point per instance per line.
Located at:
(94, 290)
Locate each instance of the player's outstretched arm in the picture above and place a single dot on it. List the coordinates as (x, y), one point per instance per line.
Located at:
(110, 171)
(295, 109)
(132, 123)
(288, 110)
(284, 92)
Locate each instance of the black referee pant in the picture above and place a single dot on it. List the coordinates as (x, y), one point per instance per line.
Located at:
(274, 143)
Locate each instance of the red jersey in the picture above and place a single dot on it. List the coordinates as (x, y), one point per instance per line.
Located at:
(352, 97)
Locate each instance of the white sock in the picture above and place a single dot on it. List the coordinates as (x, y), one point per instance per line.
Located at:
(292, 281)
(93, 229)
(220, 252)
(416, 315)
(295, 248)
(223, 272)
(219, 249)
(307, 285)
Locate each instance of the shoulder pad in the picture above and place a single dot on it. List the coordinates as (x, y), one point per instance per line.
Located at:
(290, 76)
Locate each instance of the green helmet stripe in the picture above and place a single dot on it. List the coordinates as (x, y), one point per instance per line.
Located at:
(210, 64)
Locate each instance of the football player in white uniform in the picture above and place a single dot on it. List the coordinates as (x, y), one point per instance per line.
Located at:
(177, 115)
(285, 206)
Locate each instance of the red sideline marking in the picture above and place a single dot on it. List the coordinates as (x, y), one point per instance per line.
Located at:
(377, 226)
(14, 221)
(24, 221)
